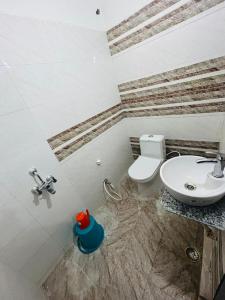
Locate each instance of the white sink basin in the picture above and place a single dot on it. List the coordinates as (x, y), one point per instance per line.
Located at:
(192, 183)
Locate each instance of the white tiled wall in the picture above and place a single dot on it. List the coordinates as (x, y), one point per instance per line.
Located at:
(205, 127)
(52, 76)
(63, 73)
(14, 286)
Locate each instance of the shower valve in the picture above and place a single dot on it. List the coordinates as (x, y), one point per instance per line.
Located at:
(47, 184)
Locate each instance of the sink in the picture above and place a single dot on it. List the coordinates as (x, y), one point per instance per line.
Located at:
(192, 183)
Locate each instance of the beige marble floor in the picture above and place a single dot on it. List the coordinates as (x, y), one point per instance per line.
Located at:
(142, 257)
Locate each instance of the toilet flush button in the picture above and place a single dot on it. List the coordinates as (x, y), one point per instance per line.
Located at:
(98, 162)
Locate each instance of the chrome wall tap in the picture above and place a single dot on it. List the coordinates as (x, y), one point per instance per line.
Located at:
(47, 184)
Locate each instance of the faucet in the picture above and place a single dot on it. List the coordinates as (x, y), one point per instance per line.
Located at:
(219, 164)
(43, 185)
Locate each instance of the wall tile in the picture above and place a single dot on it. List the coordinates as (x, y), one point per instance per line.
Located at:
(14, 219)
(189, 127)
(41, 263)
(10, 100)
(20, 42)
(19, 132)
(23, 246)
(14, 286)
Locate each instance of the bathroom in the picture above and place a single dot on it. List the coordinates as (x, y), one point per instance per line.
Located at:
(83, 83)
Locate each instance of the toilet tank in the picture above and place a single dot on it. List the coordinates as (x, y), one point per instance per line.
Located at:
(153, 146)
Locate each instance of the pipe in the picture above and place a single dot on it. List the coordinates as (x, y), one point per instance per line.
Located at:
(109, 189)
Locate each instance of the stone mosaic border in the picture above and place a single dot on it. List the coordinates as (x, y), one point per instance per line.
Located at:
(185, 147)
(177, 110)
(72, 132)
(145, 13)
(171, 19)
(69, 149)
(204, 67)
(194, 90)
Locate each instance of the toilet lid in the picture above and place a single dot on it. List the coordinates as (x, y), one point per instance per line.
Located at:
(144, 168)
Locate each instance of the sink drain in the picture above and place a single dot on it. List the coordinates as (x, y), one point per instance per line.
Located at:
(190, 186)
(193, 254)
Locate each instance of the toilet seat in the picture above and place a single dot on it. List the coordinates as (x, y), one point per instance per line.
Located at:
(144, 168)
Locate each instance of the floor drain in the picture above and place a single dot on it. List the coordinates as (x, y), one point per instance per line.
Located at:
(190, 186)
(193, 254)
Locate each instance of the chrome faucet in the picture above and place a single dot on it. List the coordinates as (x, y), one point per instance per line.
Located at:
(43, 185)
(219, 164)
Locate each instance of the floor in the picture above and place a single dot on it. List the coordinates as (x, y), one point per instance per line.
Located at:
(142, 257)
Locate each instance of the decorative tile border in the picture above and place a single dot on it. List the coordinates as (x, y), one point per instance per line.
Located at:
(204, 67)
(214, 146)
(195, 90)
(86, 138)
(177, 110)
(139, 17)
(72, 132)
(171, 19)
(196, 83)
(185, 147)
(68, 149)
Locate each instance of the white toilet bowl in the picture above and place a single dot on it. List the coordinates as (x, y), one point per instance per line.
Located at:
(145, 170)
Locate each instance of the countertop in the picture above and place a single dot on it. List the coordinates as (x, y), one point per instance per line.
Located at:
(212, 215)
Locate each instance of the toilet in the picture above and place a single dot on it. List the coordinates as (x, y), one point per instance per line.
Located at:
(145, 170)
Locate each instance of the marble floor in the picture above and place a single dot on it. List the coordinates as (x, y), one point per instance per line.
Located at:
(142, 257)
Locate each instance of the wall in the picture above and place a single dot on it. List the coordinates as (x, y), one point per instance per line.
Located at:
(165, 59)
(50, 61)
(76, 12)
(13, 286)
(116, 11)
(53, 76)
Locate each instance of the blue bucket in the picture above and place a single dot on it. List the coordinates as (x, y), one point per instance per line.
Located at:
(90, 238)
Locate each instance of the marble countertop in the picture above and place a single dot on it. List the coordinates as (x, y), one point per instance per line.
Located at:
(212, 215)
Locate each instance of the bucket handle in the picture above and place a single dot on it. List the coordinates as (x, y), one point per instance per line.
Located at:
(80, 247)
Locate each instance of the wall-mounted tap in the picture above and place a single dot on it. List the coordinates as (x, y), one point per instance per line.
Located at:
(46, 184)
(219, 164)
